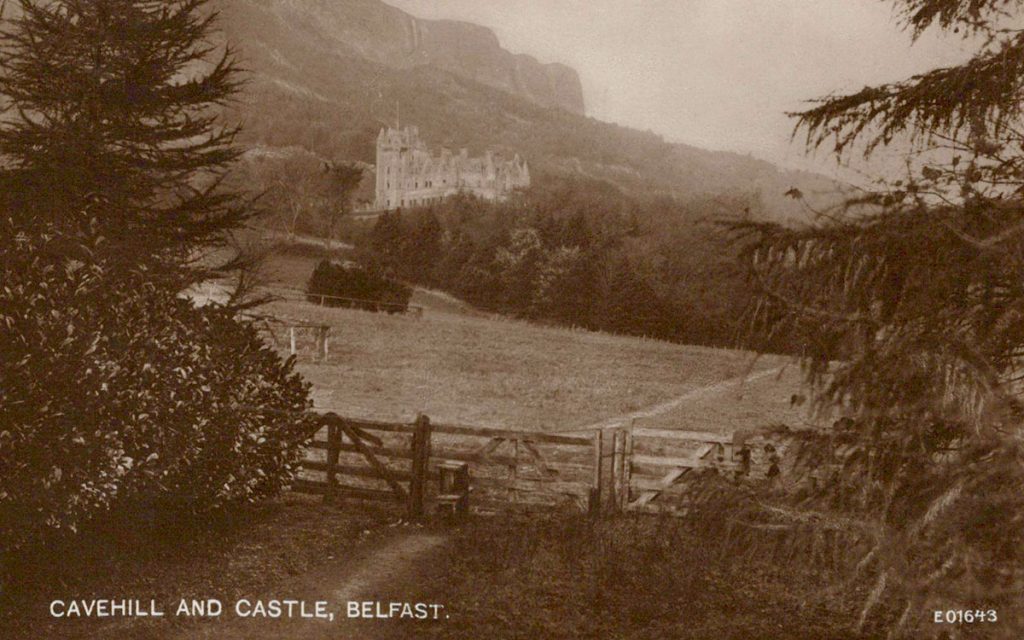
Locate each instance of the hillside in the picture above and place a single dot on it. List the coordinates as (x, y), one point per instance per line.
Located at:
(326, 76)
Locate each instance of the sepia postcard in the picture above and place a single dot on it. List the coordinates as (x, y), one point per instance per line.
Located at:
(511, 319)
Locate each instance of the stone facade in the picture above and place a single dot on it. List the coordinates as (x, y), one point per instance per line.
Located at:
(408, 175)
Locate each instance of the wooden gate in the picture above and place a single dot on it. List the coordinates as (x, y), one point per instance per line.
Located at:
(399, 462)
(652, 466)
(520, 469)
(621, 469)
(360, 459)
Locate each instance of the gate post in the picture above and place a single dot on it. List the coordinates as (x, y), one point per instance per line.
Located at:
(420, 466)
(616, 471)
(594, 502)
(622, 467)
(333, 450)
(627, 468)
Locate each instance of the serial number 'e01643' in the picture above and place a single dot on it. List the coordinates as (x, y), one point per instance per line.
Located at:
(965, 616)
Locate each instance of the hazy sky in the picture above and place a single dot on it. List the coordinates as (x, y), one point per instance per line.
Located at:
(714, 73)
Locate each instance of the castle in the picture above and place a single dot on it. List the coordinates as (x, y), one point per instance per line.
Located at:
(409, 176)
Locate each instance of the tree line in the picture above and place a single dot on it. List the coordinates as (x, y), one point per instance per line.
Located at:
(577, 253)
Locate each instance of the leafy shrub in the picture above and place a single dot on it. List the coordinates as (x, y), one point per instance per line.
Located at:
(337, 285)
(119, 394)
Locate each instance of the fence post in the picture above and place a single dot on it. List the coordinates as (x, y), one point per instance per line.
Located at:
(291, 331)
(615, 470)
(594, 502)
(513, 473)
(333, 451)
(420, 466)
(627, 467)
(327, 336)
(321, 343)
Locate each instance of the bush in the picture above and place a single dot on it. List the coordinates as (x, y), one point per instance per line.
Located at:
(337, 285)
(115, 395)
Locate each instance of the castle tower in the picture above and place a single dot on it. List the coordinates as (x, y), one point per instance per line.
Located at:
(389, 167)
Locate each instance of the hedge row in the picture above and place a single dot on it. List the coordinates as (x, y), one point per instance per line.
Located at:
(337, 285)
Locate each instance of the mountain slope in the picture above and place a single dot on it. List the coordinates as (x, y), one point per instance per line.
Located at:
(379, 32)
(327, 74)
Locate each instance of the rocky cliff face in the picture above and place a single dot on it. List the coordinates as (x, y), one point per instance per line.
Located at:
(389, 36)
(327, 75)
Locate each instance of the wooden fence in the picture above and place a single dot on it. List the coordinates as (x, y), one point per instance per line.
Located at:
(394, 461)
(622, 469)
(321, 299)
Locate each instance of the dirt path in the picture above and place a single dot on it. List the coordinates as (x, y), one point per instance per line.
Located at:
(669, 406)
(383, 570)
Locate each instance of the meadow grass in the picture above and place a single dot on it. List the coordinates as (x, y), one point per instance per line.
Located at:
(499, 372)
(458, 364)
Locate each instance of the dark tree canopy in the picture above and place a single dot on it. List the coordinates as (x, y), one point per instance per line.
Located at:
(119, 397)
(110, 127)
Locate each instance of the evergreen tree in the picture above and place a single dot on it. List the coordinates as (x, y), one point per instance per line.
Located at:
(110, 130)
(117, 395)
(911, 317)
(340, 181)
(386, 241)
(423, 251)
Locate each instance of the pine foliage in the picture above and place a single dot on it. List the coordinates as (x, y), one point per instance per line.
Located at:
(909, 311)
(111, 127)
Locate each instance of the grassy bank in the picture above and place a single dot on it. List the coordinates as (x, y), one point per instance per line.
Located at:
(566, 577)
(500, 372)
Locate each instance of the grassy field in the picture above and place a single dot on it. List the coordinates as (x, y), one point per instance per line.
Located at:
(458, 365)
(505, 373)
(556, 577)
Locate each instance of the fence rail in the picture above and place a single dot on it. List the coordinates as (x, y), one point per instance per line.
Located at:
(383, 305)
